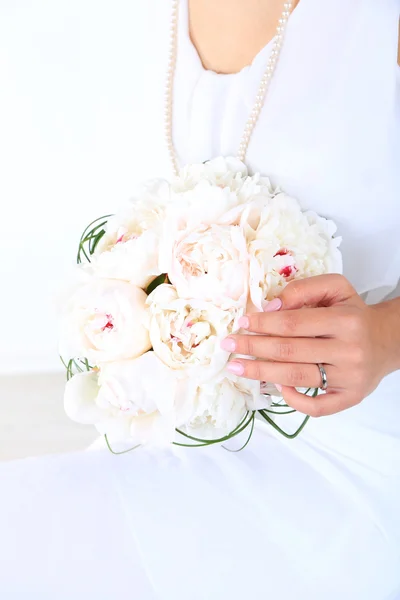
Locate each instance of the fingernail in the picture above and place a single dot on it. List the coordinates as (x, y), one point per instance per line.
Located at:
(274, 304)
(244, 322)
(278, 387)
(228, 344)
(235, 368)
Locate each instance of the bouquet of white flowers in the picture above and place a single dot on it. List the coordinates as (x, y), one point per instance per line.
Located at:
(162, 283)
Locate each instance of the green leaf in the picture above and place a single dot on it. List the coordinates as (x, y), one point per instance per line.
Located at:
(95, 240)
(163, 278)
(90, 238)
(75, 366)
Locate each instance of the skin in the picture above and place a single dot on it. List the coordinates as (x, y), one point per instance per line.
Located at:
(318, 320)
(228, 34)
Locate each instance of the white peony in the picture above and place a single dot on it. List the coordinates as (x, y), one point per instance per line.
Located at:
(220, 404)
(287, 244)
(226, 241)
(213, 193)
(104, 320)
(186, 334)
(211, 263)
(224, 173)
(129, 248)
(129, 401)
(221, 172)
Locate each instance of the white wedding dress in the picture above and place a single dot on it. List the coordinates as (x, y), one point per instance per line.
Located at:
(313, 518)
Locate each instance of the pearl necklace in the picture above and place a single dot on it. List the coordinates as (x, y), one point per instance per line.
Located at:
(261, 93)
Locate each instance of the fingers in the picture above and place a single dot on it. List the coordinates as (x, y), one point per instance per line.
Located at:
(326, 404)
(308, 322)
(301, 350)
(286, 374)
(322, 290)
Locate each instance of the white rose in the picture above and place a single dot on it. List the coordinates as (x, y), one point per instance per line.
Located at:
(211, 263)
(104, 320)
(186, 334)
(288, 244)
(129, 248)
(130, 401)
(219, 405)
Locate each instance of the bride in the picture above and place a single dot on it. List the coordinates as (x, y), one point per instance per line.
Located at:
(315, 105)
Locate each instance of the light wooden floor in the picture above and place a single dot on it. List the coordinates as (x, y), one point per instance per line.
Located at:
(32, 419)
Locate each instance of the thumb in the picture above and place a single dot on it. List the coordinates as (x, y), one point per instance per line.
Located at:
(321, 290)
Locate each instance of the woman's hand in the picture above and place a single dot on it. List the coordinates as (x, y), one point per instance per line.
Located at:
(357, 344)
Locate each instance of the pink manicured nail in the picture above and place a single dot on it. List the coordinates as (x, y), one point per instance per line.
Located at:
(235, 368)
(278, 387)
(228, 344)
(244, 322)
(274, 304)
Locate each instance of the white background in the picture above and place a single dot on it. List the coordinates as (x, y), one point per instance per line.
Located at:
(69, 152)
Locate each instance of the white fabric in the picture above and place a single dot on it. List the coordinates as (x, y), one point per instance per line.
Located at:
(330, 130)
(312, 518)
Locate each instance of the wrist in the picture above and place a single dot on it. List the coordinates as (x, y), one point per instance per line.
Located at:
(387, 326)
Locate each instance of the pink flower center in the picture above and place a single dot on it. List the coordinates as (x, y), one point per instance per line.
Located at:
(288, 271)
(282, 252)
(109, 323)
(124, 236)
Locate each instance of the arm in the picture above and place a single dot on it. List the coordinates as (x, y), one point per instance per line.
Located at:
(387, 317)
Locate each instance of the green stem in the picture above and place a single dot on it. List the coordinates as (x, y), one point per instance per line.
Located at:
(248, 439)
(274, 412)
(289, 436)
(117, 453)
(232, 434)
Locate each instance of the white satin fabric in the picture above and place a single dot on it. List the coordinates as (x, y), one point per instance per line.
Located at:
(316, 517)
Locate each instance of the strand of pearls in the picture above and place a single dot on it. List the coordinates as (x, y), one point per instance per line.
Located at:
(169, 85)
(261, 93)
(265, 82)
